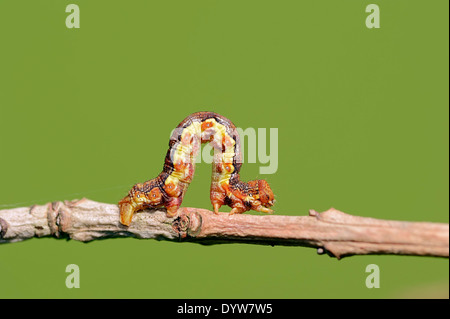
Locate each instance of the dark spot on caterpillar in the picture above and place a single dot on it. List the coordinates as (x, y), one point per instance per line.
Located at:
(227, 201)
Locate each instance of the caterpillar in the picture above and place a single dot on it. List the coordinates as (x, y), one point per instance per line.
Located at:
(169, 187)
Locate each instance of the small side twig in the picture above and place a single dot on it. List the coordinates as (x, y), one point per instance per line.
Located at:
(332, 232)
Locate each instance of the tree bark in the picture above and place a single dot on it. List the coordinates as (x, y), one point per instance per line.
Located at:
(332, 232)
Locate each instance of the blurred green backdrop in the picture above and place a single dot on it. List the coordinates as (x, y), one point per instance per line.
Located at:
(362, 117)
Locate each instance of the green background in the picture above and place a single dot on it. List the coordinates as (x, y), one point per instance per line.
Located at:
(362, 116)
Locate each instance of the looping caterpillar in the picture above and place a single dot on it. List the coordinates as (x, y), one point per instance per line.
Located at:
(168, 188)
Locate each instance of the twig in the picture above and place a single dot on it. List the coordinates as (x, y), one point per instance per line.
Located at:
(332, 232)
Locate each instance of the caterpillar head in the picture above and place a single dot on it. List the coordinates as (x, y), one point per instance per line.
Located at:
(265, 193)
(141, 196)
(261, 191)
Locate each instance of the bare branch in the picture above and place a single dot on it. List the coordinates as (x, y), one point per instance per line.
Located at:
(332, 232)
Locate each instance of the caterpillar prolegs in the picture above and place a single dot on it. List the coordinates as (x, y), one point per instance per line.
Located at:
(168, 188)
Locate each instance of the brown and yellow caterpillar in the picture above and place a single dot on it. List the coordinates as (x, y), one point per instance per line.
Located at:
(168, 188)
